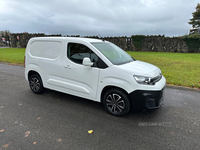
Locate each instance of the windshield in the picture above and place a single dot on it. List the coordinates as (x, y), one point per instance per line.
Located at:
(115, 54)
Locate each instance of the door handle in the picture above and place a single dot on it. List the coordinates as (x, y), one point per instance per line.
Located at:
(67, 66)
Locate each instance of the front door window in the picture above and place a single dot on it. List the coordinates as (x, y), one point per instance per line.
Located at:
(77, 52)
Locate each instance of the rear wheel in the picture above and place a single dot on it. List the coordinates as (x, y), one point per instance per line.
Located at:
(35, 83)
(116, 102)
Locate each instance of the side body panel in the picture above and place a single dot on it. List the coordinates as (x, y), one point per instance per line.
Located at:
(80, 80)
(39, 60)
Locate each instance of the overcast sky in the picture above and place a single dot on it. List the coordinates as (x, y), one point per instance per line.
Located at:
(93, 17)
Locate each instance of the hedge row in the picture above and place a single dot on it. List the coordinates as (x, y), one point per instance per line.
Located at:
(192, 41)
(138, 41)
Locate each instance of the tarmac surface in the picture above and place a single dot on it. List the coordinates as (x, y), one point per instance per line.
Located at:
(55, 120)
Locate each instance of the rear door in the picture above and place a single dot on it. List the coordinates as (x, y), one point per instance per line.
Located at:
(80, 80)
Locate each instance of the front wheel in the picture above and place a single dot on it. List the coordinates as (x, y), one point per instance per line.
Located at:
(35, 83)
(116, 102)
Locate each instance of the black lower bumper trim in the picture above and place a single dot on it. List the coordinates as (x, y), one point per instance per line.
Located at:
(141, 99)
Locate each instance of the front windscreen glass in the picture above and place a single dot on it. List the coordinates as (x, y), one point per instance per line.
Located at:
(115, 54)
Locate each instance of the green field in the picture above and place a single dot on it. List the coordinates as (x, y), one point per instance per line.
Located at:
(12, 55)
(178, 68)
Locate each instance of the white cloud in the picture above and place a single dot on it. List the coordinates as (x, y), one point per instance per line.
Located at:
(93, 17)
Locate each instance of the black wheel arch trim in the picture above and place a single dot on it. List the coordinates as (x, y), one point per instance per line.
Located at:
(108, 87)
(31, 72)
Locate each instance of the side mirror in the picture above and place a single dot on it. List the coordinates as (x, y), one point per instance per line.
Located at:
(87, 62)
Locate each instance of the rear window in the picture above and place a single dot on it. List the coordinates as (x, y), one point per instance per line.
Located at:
(46, 49)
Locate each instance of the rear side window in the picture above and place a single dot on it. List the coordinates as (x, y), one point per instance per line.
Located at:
(46, 49)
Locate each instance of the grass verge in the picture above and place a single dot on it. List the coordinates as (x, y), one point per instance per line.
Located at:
(181, 69)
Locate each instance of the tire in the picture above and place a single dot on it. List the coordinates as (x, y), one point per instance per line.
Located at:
(36, 84)
(116, 102)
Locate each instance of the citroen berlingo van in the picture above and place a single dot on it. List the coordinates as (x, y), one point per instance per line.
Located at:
(93, 69)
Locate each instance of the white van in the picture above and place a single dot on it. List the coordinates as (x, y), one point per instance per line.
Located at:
(93, 69)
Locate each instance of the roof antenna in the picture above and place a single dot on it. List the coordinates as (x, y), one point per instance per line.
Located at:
(101, 38)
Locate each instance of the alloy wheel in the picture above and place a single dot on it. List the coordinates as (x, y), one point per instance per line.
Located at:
(115, 103)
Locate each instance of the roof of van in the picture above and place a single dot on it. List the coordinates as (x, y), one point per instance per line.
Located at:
(68, 38)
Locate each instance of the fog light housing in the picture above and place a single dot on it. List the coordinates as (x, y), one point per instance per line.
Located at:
(150, 102)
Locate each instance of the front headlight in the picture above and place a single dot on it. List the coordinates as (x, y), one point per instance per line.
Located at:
(147, 80)
(142, 80)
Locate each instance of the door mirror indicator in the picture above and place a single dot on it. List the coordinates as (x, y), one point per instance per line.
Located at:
(87, 62)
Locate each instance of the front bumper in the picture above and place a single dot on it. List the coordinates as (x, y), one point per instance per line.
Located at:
(141, 99)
